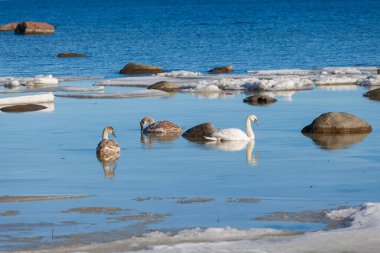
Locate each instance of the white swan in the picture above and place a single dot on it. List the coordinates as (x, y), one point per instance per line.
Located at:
(235, 134)
(108, 150)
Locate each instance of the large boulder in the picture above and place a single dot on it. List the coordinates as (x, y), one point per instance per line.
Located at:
(34, 28)
(259, 100)
(222, 69)
(138, 68)
(373, 94)
(165, 86)
(70, 55)
(23, 108)
(337, 123)
(200, 131)
(10, 27)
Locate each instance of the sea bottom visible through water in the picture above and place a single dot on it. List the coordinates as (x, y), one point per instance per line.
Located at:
(188, 196)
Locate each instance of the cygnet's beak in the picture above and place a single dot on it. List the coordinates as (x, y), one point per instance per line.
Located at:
(257, 123)
(114, 134)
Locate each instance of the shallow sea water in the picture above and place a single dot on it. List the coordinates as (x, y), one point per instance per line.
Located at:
(179, 184)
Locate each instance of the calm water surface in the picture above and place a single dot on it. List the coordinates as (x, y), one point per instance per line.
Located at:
(49, 153)
(53, 153)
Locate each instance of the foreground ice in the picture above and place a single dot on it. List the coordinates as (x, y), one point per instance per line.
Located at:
(362, 234)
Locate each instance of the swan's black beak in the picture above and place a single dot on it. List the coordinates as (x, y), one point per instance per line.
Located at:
(257, 123)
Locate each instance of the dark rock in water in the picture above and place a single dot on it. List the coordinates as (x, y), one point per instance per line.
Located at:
(10, 27)
(23, 108)
(138, 68)
(373, 94)
(73, 55)
(336, 141)
(223, 69)
(165, 86)
(199, 131)
(259, 100)
(337, 123)
(34, 28)
(378, 71)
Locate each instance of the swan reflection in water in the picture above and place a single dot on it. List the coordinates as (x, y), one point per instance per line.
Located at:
(236, 146)
(109, 164)
(150, 139)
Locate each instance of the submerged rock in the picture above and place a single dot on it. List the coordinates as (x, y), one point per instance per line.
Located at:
(70, 55)
(165, 86)
(199, 131)
(10, 27)
(34, 28)
(373, 94)
(259, 100)
(138, 68)
(337, 123)
(23, 108)
(222, 69)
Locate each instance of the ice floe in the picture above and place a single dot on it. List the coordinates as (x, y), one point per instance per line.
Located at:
(117, 95)
(371, 80)
(337, 80)
(32, 99)
(362, 234)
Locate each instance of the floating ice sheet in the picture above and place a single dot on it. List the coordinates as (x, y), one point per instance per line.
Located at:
(116, 95)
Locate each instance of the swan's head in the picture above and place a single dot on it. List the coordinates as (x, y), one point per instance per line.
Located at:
(144, 120)
(110, 130)
(253, 118)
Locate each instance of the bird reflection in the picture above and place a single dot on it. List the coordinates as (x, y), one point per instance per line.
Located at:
(237, 146)
(109, 171)
(150, 139)
(108, 163)
(336, 141)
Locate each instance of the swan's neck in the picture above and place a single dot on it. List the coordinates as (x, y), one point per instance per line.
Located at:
(250, 133)
(150, 120)
(105, 134)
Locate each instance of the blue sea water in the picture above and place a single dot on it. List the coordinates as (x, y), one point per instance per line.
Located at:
(190, 35)
(53, 153)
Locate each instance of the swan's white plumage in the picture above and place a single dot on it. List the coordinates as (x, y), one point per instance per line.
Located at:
(235, 134)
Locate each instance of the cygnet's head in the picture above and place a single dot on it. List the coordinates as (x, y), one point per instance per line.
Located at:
(110, 130)
(144, 120)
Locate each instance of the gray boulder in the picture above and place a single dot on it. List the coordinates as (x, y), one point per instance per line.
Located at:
(165, 86)
(138, 68)
(199, 131)
(70, 55)
(373, 94)
(259, 100)
(222, 69)
(337, 123)
(23, 108)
